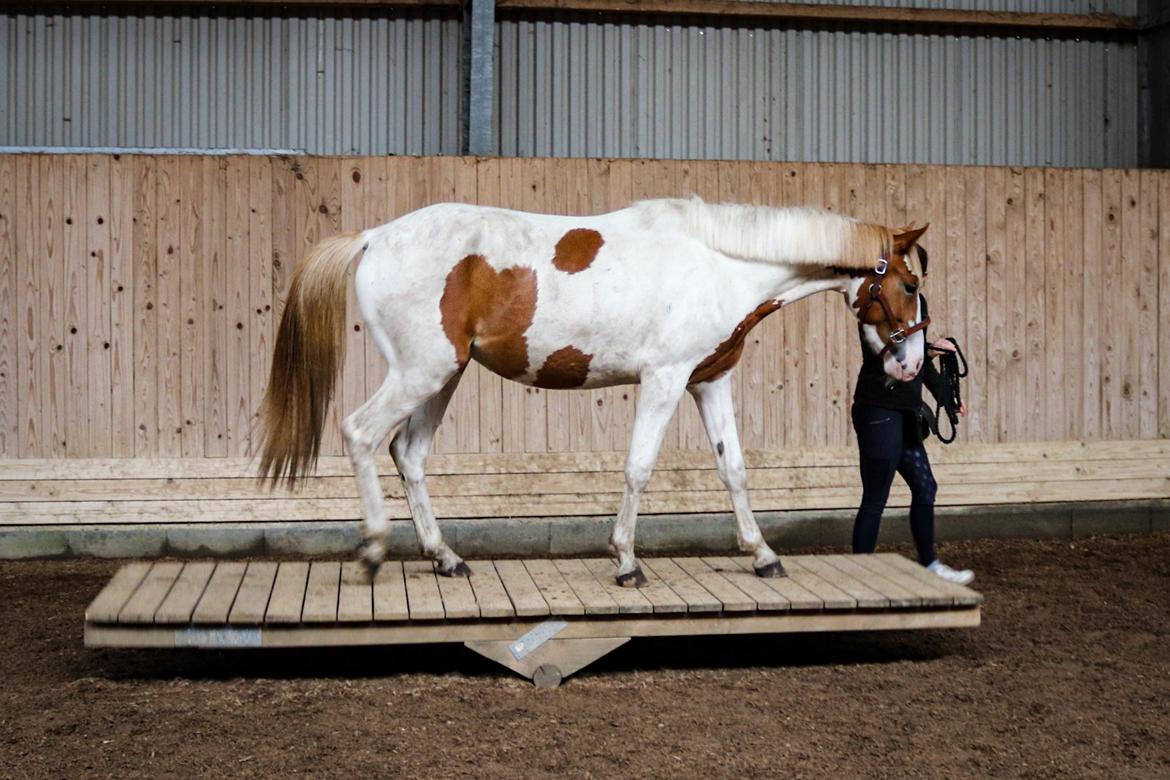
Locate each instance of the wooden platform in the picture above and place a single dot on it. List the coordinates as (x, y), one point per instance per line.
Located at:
(542, 618)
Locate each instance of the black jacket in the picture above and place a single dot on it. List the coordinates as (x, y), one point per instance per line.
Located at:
(875, 388)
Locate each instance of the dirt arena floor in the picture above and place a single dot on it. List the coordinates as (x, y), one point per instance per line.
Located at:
(1068, 677)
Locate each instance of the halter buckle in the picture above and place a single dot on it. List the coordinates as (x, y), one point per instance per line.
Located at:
(897, 336)
(875, 290)
(882, 266)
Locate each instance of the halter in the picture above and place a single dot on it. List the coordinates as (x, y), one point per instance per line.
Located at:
(897, 335)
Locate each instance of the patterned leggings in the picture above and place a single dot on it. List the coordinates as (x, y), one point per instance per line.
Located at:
(884, 452)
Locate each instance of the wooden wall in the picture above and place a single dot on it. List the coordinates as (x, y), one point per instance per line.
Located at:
(139, 296)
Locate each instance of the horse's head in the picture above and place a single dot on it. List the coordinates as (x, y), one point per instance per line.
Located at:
(885, 301)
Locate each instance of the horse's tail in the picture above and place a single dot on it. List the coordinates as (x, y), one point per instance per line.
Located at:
(309, 353)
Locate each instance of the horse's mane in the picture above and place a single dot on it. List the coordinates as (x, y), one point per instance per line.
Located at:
(777, 235)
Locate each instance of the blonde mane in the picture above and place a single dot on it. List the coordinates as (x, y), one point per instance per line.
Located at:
(780, 235)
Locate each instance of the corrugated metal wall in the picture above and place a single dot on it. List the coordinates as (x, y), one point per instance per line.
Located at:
(376, 85)
(371, 85)
(571, 88)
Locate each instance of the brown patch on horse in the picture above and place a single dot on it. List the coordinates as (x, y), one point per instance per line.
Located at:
(486, 313)
(727, 354)
(566, 368)
(577, 249)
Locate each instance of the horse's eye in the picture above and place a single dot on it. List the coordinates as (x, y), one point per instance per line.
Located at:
(911, 289)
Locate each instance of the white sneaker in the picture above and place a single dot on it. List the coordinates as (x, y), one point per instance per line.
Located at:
(959, 577)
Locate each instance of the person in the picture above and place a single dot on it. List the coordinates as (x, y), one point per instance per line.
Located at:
(888, 439)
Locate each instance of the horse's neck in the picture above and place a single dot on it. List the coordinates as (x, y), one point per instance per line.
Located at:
(789, 283)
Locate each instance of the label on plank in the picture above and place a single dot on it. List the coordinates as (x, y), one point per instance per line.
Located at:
(218, 637)
(525, 645)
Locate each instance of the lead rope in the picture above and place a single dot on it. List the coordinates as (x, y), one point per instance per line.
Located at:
(952, 397)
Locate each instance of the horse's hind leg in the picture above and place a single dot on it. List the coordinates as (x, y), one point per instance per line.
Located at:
(410, 448)
(387, 409)
(718, 413)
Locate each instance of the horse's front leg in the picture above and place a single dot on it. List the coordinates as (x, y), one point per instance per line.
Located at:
(718, 413)
(657, 401)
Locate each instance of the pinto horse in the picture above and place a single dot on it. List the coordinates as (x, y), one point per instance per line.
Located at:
(660, 294)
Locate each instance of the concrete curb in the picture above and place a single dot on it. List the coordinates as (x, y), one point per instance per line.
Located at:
(561, 536)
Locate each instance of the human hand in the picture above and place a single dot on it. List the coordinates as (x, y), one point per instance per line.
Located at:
(963, 408)
(940, 346)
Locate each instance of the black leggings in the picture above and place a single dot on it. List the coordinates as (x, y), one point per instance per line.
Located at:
(886, 451)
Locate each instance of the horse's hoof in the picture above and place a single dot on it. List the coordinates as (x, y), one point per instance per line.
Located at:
(461, 570)
(371, 554)
(774, 569)
(634, 579)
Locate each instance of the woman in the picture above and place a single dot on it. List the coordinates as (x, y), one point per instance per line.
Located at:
(885, 420)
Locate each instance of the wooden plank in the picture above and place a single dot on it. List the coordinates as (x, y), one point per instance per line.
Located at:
(895, 593)
(267, 235)
(978, 422)
(1052, 346)
(168, 301)
(1036, 402)
(98, 416)
(9, 406)
(1147, 314)
(288, 593)
(74, 396)
(928, 593)
(696, 597)
(458, 597)
(556, 592)
(711, 624)
(591, 593)
(107, 605)
(390, 593)
(1072, 284)
(122, 284)
(146, 309)
(141, 606)
(355, 600)
(521, 589)
(797, 596)
(237, 346)
(1163, 296)
(831, 596)
(1111, 332)
(490, 594)
(252, 597)
(1093, 216)
(629, 601)
(321, 592)
(180, 603)
(962, 595)
(1126, 319)
(765, 598)
(731, 597)
(32, 354)
(192, 294)
(215, 325)
(422, 592)
(216, 603)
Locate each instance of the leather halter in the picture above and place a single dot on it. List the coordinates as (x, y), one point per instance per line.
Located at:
(897, 335)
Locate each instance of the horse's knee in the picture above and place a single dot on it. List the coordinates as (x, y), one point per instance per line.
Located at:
(637, 475)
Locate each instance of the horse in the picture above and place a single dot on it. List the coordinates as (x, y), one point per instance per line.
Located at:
(661, 293)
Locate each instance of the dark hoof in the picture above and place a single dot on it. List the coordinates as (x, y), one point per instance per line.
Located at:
(461, 570)
(771, 570)
(369, 567)
(634, 579)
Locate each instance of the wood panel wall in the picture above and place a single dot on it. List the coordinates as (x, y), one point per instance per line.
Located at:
(139, 297)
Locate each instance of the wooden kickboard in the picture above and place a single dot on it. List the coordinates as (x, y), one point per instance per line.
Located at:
(295, 603)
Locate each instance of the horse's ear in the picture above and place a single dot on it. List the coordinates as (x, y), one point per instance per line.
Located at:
(904, 239)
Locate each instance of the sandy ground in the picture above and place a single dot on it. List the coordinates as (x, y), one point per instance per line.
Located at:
(1068, 677)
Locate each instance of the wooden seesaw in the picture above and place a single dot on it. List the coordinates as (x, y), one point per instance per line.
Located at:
(544, 619)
